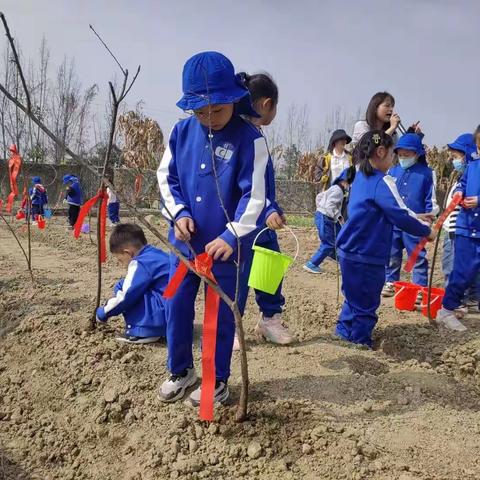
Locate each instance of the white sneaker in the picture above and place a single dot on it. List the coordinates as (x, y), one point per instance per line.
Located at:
(388, 290)
(220, 396)
(272, 330)
(447, 319)
(174, 388)
(236, 343)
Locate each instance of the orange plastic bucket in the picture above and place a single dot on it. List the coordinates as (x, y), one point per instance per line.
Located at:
(41, 222)
(406, 295)
(436, 298)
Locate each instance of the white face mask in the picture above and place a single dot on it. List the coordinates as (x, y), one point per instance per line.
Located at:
(406, 162)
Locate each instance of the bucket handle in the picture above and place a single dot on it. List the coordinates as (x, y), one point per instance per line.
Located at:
(433, 299)
(399, 292)
(290, 230)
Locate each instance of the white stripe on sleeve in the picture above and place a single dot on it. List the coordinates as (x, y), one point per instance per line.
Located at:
(170, 207)
(392, 185)
(127, 283)
(435, 207)
(247, 223)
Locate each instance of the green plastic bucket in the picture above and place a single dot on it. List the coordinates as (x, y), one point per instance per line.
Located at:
(268, 267)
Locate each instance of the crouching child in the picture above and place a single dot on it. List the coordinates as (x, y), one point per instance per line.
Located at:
(139, 296)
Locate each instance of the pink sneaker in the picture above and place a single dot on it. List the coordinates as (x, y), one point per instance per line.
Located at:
(272, 330)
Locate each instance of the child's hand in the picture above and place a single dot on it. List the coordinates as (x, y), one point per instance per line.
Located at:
(416, 127)
(219, 249)
(433, 235)
(184, 228)
(275, 221)
(470, 202)
(426, 217)
(341, 220)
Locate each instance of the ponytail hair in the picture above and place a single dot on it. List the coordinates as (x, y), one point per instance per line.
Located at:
(260, 85)
(367, 147)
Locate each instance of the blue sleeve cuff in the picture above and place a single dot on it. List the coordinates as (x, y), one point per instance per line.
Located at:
(101, 315)
(230, 238)
(183, 213)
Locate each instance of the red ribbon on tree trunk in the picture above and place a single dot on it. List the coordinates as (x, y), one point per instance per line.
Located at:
(203, 264)
(86, 207)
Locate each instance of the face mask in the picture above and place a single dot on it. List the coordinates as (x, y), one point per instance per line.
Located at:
(406, 162)
(458, 164)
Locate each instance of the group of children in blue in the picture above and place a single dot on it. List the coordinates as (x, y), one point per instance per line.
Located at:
(220, 153)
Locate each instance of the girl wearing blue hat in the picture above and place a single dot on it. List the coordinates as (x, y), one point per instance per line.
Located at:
(466, 263)
(416, 186)
(213, 152)
(364, 243)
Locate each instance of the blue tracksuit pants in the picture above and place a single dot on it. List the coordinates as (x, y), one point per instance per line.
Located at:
(327, 231)
(401, 241)
(180, 314)
(268, 304)
(113, 211)
(362, 287)
(466, 266)
(37, 210)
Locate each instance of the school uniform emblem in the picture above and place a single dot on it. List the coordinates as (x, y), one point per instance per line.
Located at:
(224, 152)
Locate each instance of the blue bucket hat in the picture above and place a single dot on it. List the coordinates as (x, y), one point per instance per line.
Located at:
(36, 180)
(412, 142)
(66, 179)
(209, 78)
(464, 143)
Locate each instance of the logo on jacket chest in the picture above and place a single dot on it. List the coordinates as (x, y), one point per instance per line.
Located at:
(224, 152)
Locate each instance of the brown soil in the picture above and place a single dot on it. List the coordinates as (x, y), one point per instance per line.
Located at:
(78, 405)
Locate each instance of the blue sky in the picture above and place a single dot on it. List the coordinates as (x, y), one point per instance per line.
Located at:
(321, 53)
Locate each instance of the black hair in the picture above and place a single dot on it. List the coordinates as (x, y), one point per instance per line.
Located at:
(475, 133)
(260, 85)
(126, 234)
(375, 102)
(367, 147)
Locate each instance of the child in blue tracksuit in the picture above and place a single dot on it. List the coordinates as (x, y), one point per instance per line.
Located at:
(38, 198)
(466, 263)
(416, 185)
(365, 241)
(139, 296)
(264, 94)
(328, 218)
(215, 149)
(113, 207)
(460, 155)
(73, 198)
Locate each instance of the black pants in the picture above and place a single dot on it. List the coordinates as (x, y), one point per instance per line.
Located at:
(73, 211)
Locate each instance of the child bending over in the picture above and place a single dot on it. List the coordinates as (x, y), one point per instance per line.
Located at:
(139, 296)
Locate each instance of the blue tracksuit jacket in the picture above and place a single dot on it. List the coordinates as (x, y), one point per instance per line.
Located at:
(188, 187)
(375, 206)
(139, 297)
(74, 193)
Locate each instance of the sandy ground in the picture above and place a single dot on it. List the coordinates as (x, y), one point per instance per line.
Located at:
(78, 405)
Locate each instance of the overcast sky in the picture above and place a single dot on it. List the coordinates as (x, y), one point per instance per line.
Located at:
(322, 53)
